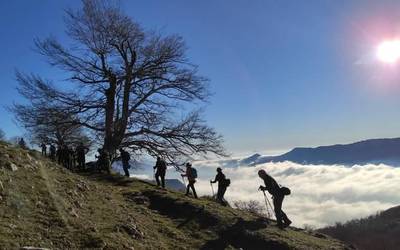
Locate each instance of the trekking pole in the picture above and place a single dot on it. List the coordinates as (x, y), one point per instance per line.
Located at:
(212, 188)
(268, 205)
(183, 179)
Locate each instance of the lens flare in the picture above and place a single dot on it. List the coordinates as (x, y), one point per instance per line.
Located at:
(389, 51)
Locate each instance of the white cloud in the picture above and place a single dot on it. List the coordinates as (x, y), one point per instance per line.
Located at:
(321, 195)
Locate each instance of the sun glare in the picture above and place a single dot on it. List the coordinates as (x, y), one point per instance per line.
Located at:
(389, 51)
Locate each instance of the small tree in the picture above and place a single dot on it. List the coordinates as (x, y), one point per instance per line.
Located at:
(251, 206)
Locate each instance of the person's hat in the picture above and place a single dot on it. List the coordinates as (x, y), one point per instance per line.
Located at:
(188, 164)
(261, 172)
(219, 169)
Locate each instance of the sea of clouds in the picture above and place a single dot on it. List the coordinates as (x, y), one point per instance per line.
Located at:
(321, 194)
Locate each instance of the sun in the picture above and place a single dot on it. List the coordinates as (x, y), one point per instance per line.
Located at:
(389, 51)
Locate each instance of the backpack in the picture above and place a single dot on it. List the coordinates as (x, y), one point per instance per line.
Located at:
(227, 182)
(194, 173)
(285, 191)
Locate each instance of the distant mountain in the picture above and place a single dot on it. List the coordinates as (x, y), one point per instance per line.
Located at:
(250, 160)
(375, 151)
(379, 231)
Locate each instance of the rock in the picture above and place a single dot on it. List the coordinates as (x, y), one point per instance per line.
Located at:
(77, 204)
(11, 166)
(73, 213)
(131, 229)
(82, 186)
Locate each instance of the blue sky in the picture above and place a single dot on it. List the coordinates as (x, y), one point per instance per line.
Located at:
(284, 73)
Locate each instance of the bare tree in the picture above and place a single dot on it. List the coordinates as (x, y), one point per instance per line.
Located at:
(45, 124)
(251, 206)
(129, 86)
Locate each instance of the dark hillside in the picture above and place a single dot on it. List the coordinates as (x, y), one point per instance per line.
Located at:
(380, 231)
(44, 205)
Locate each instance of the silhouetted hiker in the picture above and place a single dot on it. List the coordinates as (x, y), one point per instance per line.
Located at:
(81, 151)
(22, 143)
(161, 169)
(103, 160)
(223, 183)
(65, 156)
(125, 157)
(44, 149)
(72, 158)
(191, 175)
(277, 195)
(52, 152)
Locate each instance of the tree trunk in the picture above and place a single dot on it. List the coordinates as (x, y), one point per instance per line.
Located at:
(109, 144)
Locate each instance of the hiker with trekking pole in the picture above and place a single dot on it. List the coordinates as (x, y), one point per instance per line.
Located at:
(223, 183)
(278, 194)
(191, 175)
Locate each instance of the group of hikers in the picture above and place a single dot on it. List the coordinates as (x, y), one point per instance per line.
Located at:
(278, 193)
(71, 158)
(67, 156)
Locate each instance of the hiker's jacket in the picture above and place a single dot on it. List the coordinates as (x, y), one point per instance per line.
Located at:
(271, 185)
(161, 166)
(81, 151)
(125, 158)
(189, 175)
(220, 177)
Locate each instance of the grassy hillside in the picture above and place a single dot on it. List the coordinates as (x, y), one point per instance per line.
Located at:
(380, 231)
(44, 205)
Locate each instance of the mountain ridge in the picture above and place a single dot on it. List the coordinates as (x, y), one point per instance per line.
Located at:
(376, 151)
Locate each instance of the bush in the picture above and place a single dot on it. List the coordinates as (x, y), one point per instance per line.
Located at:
(251, 206)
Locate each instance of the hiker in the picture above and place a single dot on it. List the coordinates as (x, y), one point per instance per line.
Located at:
(65, 156)
(72, 158)
(161, 168)
(103, 160)
(125, 157)
(81, 151)
(22, 143)
(52, 152)
(223, 183)
(191, 175)
(277, 195)
(44, 149)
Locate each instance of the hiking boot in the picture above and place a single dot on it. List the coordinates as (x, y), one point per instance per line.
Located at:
(287, 223)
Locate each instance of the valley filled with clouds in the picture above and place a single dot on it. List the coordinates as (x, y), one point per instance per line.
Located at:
(321, 194)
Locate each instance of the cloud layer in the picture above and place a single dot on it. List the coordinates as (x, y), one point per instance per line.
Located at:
(321, 195)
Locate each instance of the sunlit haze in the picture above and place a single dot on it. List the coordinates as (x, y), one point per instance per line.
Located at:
(389, 51)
